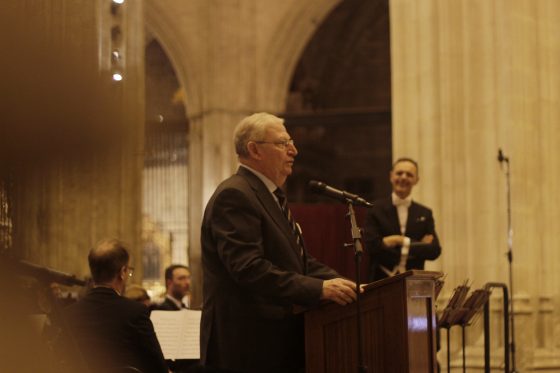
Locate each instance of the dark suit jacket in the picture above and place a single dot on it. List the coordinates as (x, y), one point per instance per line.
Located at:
(383, 220)
(113, 331)
(253, 275)
(167, 305)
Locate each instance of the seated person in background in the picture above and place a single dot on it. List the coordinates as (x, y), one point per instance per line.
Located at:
(177, 286)
(396, 222)
(109, 330)
(138, 294)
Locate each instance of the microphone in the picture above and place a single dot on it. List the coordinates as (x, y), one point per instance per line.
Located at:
(322, 188)
(501, 156)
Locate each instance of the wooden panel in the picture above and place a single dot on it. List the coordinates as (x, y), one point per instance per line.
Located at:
(325, 230)
(336, 338)
(421, 324)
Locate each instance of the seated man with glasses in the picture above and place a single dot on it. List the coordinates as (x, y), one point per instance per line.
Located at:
(110, 331)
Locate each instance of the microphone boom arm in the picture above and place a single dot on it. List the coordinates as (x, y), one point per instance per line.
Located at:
(322, 188)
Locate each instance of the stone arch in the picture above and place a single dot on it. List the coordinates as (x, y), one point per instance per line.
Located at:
(341, 87)
(283, 51)
(160, 26)
(346, 65)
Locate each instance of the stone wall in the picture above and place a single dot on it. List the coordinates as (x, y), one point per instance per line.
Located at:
(71, 136)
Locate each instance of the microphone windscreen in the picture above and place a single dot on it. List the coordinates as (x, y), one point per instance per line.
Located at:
(317, 186)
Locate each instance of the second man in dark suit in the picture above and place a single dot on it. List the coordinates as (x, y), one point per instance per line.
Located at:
(399, 233)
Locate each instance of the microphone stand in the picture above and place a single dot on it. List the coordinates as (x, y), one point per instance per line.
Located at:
(358, 252)
(502, 158)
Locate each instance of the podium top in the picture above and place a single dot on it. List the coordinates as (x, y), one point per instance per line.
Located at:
(412, 274)
(415, 273)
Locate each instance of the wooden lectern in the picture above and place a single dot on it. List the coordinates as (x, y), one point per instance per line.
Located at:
(398, 328)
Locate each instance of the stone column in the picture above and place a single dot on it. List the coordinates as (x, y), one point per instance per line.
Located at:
(77, 158)
(470, 77)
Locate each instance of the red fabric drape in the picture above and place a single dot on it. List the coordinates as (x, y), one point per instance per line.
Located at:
(326, 228)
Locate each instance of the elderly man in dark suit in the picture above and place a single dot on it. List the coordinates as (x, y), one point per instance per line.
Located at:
(399, 233)
(254, 263)
(111, 332)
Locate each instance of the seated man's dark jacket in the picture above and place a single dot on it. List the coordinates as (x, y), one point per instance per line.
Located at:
(382, 220)
(166, 305)
(112, 331)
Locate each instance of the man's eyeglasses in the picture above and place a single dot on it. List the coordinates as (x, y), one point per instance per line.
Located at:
(282, 143)
(130, 271)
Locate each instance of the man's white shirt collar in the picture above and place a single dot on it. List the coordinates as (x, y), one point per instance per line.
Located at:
(178, 303)
(402, 206)
(398, 201)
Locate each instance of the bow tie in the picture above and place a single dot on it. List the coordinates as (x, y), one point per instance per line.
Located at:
(402, 202)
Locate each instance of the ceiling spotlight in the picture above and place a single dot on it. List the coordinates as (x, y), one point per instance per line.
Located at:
(117, 77)
(118, 1)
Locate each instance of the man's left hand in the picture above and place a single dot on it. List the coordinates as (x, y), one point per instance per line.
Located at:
(339, 290)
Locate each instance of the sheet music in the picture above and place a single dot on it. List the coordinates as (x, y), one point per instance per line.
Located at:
(178, 333)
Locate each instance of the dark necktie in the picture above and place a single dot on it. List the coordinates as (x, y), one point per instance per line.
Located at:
(282, 200)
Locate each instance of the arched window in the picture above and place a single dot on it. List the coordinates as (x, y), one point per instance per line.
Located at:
(165, 175)
(339, 104)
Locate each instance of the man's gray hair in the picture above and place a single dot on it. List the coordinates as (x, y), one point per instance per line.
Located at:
(252, 128)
